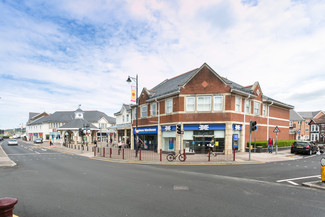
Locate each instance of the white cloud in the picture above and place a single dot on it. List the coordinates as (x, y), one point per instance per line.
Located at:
(82, 53)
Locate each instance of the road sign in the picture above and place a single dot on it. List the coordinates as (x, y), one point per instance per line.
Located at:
(276, 130)
(298, 131)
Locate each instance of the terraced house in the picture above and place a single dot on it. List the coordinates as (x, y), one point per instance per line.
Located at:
(208, 106)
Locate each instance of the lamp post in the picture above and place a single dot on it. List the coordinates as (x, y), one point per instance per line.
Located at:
(137, 105)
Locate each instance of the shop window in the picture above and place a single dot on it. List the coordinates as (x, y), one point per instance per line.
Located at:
(204, 103)
(190, 104)
(218, 103)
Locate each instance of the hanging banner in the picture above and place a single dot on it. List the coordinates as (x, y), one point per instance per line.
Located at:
(133, 94)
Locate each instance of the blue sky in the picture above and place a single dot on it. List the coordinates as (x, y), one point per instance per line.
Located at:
(58, 54)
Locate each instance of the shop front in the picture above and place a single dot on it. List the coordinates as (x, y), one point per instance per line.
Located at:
(147, 137)
(55, 136)
(236, 135)
(168, 138)
(197, 137)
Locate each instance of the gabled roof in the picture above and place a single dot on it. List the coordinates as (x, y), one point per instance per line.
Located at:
(77, 124)
(127, 107)
(32, 114)
(309, 114)
(294, 116)
(320, 120)
(276, 102)
(67, 116)
(172, 86)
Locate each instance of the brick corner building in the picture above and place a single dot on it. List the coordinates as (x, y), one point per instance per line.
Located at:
(208, 106)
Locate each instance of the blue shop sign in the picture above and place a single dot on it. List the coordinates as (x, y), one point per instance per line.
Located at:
(236, 127)
(168, 128)
(205, 127)
(146, 130)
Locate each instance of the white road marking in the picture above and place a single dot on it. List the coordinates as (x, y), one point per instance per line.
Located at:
(298, 178)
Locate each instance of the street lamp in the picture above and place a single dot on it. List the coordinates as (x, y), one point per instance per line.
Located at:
(130, 79)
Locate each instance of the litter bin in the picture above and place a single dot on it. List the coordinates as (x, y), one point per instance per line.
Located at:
(259, 149)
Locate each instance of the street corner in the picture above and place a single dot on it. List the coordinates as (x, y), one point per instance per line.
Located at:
(315, 184)
(7, 163)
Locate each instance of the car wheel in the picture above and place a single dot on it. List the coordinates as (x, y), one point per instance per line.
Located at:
(292, 151)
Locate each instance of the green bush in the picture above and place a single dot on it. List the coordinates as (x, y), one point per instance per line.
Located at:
(281, 143)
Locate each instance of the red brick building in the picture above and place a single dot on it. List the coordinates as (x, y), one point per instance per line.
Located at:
(208, 107)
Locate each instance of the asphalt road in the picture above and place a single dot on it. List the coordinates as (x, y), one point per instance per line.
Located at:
(49, 183)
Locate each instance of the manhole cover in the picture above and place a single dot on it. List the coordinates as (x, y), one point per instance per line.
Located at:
(180, 188)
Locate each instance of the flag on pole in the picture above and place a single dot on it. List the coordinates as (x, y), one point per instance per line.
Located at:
(133, 94)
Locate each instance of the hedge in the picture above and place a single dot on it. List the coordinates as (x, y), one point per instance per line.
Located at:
(281, 143)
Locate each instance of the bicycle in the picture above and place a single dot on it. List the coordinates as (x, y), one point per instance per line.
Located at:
(172, 156)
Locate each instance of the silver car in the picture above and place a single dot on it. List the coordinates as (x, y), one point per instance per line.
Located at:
(12, 142)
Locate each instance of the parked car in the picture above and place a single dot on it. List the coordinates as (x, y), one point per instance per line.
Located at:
(12, 142)
(1, 138)
(38, 140)
(305, 147)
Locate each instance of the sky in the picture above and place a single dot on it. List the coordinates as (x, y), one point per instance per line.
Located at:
(56, 55)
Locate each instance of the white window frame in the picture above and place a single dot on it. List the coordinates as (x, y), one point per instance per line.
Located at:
(264, 110)
(144, 108)
(247, 106)
(203, 103)
(190, 104)
(153, 109)
(169, 106)
(218, 106)
(127, 118)
(257, 108)
(238, 102)
(290, 124)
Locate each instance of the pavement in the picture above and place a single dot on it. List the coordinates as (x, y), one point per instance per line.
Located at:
(5, 161)
(240, 158)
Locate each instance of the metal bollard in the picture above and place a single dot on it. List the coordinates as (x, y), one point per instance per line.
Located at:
(6, 206)
(123, 153)
(160, 155)
(110, 152)
(234, 151)
(184, 154)
(103, 151)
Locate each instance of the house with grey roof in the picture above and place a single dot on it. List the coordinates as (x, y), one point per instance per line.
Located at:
(310, 129)
(122, 129)
(48, 127)
(208, 106)
(295, 125)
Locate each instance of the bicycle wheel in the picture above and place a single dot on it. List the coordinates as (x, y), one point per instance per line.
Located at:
(170, 157)
(182, 158)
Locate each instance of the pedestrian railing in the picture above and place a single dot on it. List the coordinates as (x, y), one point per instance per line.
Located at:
(159, 156)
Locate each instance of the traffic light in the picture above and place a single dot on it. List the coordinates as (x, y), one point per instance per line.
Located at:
(179, 129)
(252, 125)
